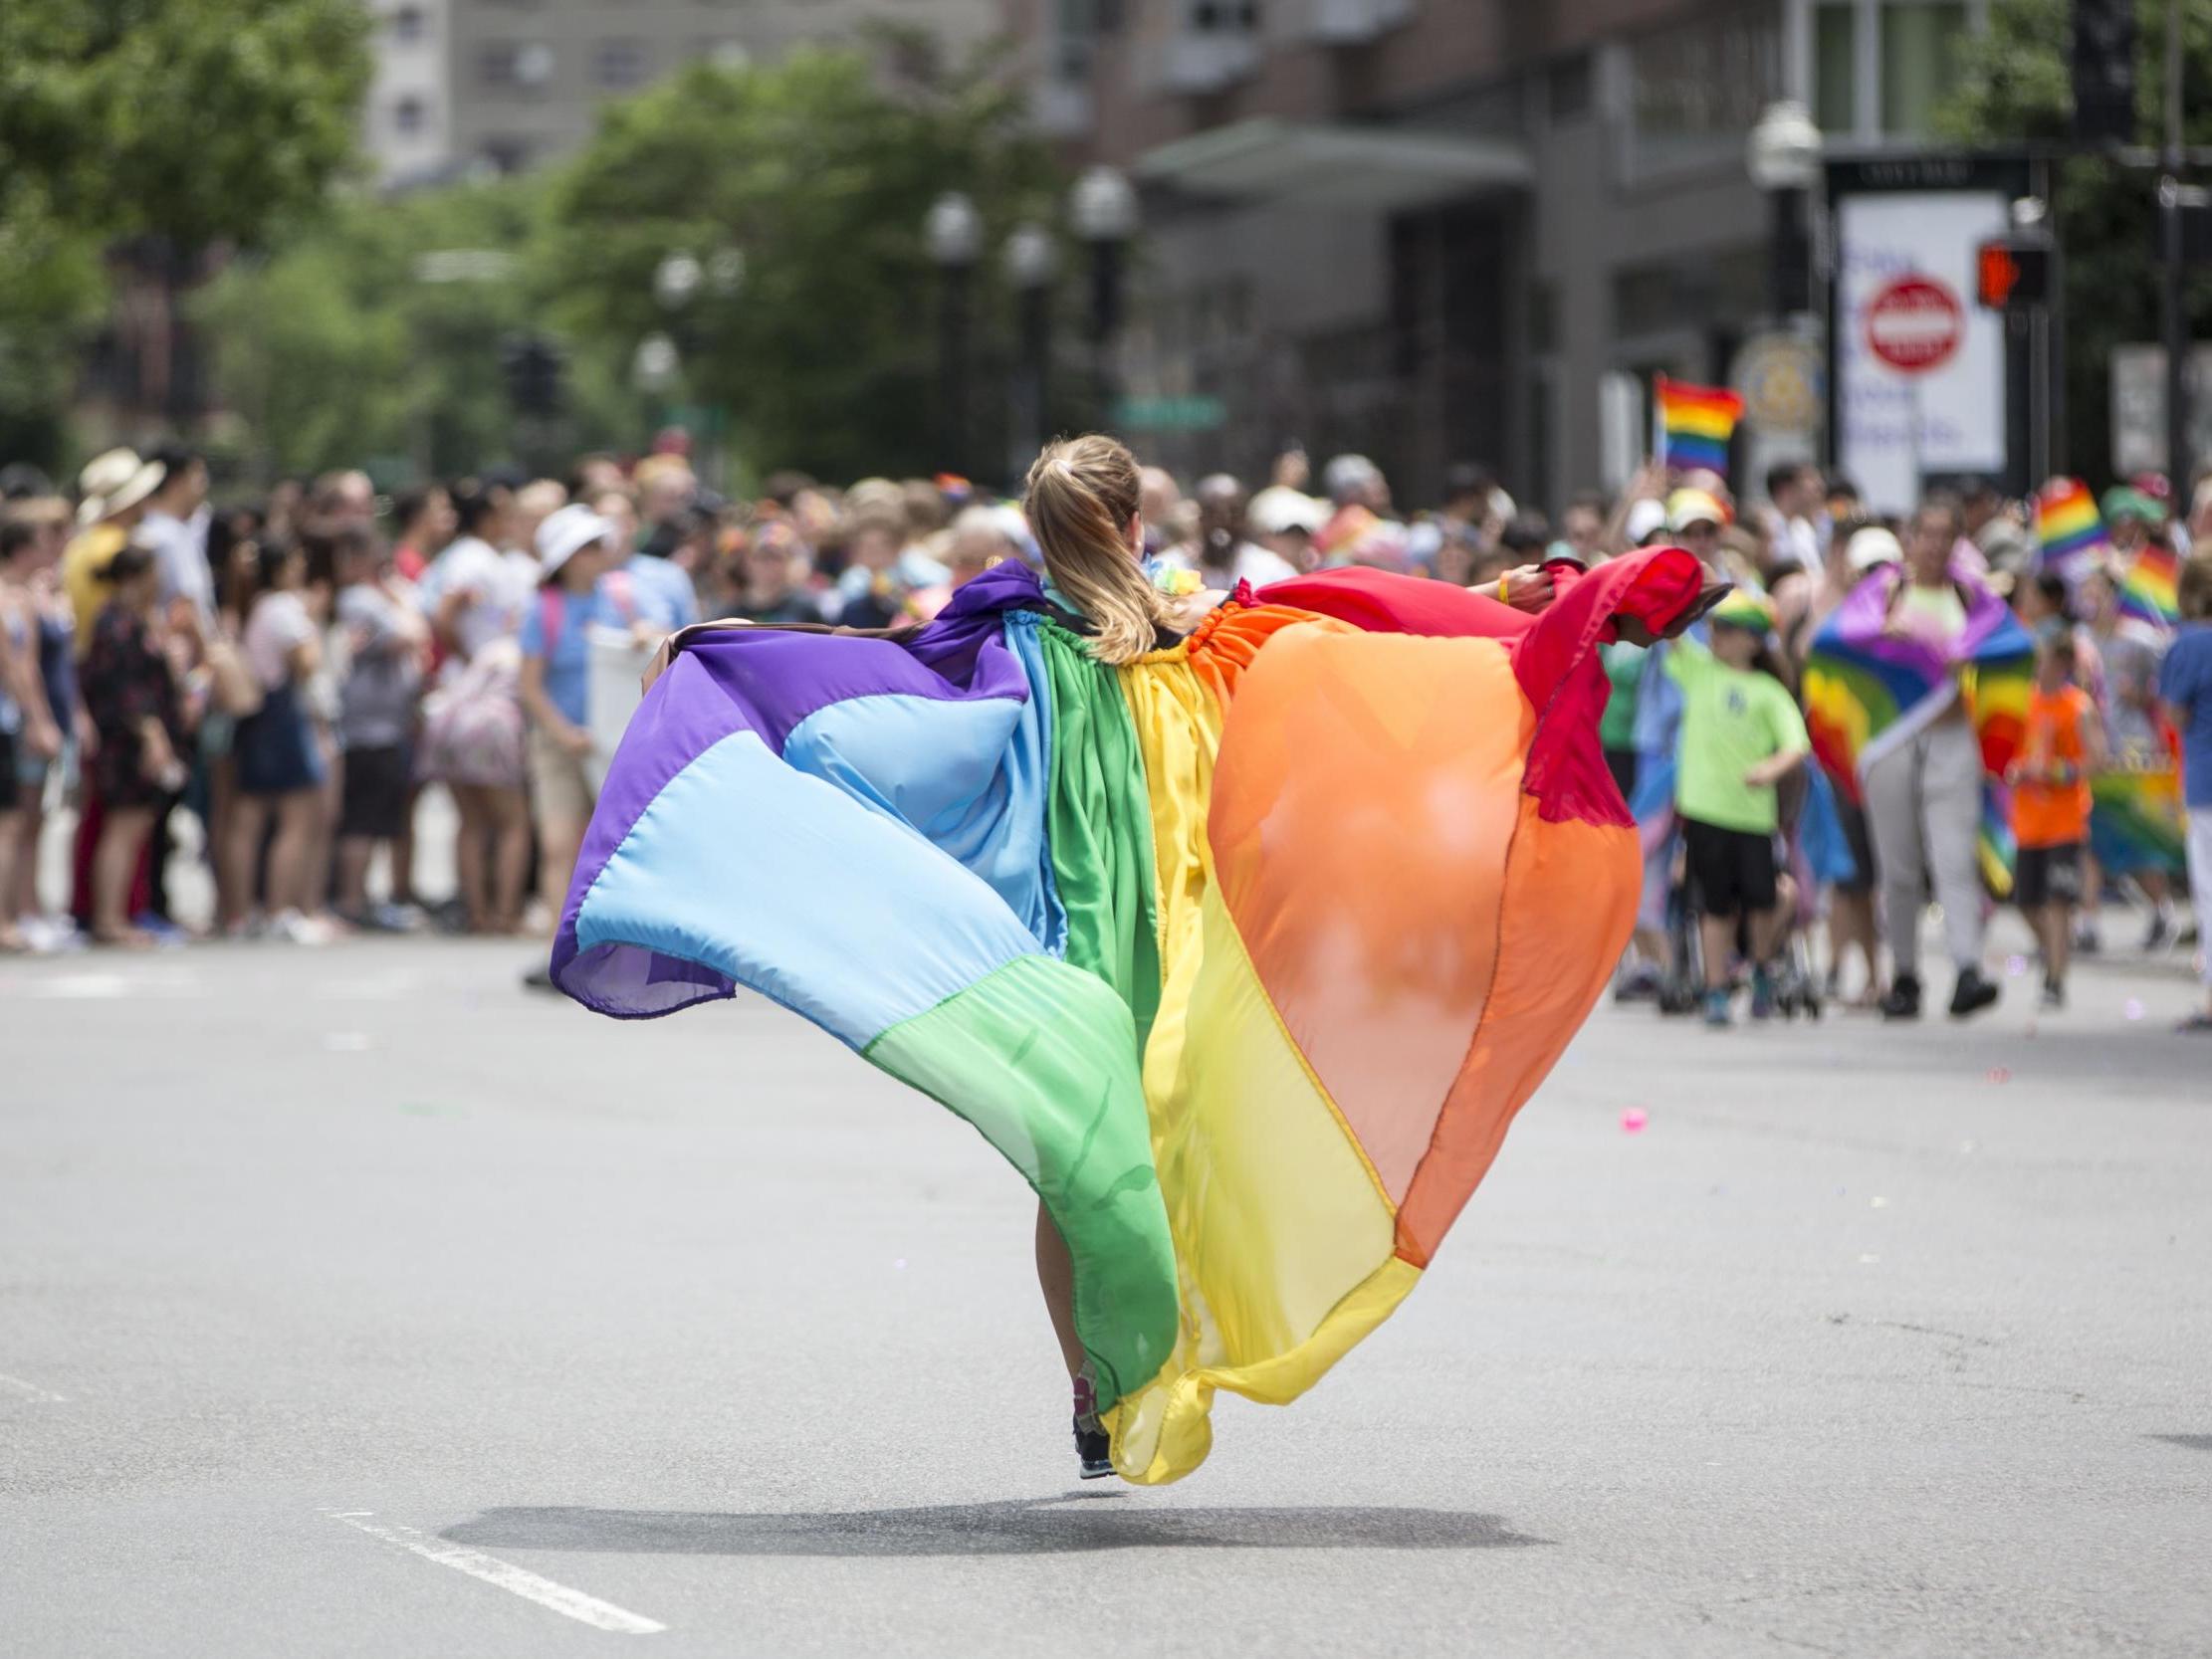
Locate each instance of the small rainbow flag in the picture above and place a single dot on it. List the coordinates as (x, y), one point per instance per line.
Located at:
(1696, 424)
(2068, 529)
(2151, 587)
(2136, 819)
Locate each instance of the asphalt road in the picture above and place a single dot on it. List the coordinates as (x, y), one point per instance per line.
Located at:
(356, 1302)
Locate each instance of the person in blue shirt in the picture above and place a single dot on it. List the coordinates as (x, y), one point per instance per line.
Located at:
(2185, 689)
(575, 548)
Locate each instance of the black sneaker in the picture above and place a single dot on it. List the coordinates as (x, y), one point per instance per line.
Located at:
(1093, 1451)
(1902, 1000)
(2053, 994)
(1971, 994)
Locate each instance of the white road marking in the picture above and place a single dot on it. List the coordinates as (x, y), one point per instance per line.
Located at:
(587, 1610)
(30, 1390)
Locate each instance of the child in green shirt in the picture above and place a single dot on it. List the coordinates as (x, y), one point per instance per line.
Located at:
(1741, 734)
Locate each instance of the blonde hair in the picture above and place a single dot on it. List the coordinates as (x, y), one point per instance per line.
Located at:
(1082, 492)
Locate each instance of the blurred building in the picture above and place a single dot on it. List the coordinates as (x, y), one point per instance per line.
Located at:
(513, 81)
(1430, 229)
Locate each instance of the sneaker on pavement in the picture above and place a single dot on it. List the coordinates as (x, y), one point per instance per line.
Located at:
(1093, 1450)
(1903, 1001)
(1716, 1010)
(1762, 994)
(2159, 933)
(295, 929)
(2087, 941)
(1971, 994)
(2053, 994)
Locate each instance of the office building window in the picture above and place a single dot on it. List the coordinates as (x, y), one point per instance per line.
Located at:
(1695, 89)
(1919, 63)
(408, 114)
(1882, 67)
(1567, 88)
(408, 24)
(524, 66)
(619, 63)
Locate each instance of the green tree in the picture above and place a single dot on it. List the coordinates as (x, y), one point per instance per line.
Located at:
(342, 346)
(819, 170)
(160, 128)
(2016, 88)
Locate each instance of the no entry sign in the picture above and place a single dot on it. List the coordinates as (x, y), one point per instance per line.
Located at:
(1916, 323)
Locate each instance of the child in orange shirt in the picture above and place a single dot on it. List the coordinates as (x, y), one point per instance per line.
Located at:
(2064, 742)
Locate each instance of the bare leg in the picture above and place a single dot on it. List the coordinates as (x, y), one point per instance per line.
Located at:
(510, 857)
(291, 856)
(1719, 936)
(354, 853)
(23, 899)
(1056, 1277)
(2055, 928)
(10, 842)
(403, 852)
(122, 834)
(241, 846)
(468, 854)
(558, 842)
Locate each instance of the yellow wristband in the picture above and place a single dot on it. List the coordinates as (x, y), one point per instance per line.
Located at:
(1503, 597)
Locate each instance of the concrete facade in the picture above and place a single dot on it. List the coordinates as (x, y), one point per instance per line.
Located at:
(407, 121)
(1428, 228)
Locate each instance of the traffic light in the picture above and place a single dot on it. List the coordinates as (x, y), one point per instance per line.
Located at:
(2105, 71)
(2013, 273)
(535, 369)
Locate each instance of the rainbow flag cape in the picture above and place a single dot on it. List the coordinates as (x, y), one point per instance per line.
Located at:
(2069, 531)
(2151, 587)
(1244, 955)
(1867, 691)
(2137, 821)
(1696, 424)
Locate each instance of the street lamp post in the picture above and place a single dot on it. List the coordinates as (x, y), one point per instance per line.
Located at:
(679, 281)
(1032, 261)
(954, 232)
(1104, 209)
(1785, 157)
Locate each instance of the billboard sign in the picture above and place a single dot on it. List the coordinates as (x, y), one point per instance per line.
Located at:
(1921, 376)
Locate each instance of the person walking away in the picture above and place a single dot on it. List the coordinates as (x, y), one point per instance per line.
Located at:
(1924, 796)
(2185, 690)
(132, 698)
(2064, 742)
(386, 643)
(575, 548)
(279, 765)
(1741, 734)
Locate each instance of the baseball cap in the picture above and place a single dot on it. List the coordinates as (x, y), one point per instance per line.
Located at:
(1686, 508)
(1872, 546)
(1279, 510)
(1644, 518)
(2125, 501)
(1743, 610)
(565, 533)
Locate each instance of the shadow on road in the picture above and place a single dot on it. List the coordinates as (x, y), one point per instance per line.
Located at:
(1010, 1526)
(2196, 1442)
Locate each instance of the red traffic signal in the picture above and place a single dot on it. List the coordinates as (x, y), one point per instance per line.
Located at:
(2011, 274)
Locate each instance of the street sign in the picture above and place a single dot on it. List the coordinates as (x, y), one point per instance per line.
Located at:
(1779, 377)
(1171, 414)
(1916, 323)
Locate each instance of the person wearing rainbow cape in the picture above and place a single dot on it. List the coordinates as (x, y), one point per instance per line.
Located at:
(1241, 925)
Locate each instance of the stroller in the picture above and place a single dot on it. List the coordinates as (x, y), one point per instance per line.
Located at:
(1796, 985)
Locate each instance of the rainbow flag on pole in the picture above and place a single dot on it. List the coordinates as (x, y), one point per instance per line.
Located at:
(2068, 528)
(1696, 424)
(2151, 587)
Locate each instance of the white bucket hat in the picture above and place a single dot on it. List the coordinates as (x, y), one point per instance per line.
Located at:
(565, 533)
(103, 476)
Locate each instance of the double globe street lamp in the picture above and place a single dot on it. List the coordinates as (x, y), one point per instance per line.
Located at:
(1102, 211)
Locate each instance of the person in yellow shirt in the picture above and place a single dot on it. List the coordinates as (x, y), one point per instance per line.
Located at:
(114, 489)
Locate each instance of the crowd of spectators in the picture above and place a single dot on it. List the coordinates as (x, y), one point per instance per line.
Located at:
(269, 685)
